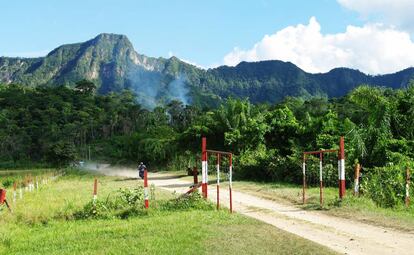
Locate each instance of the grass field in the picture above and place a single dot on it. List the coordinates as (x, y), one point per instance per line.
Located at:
(43, 222)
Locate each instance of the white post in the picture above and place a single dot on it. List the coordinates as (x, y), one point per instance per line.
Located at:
(341, 168)
(218, 181)
(304, 179)
(231, 181)
(320, 180)
(204, 167)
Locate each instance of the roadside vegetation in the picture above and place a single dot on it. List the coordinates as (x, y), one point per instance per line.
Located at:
(59, 218)
(59, 125)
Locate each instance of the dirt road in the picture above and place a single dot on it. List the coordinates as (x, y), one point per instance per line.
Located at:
(342, 235)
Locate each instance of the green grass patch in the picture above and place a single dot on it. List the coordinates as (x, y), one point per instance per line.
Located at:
(45, 222)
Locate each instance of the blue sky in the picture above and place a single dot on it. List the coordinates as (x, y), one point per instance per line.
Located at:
(202, 32)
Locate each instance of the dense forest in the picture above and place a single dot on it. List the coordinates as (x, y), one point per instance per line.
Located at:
(61, 125)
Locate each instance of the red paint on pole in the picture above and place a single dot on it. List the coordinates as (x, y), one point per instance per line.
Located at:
(341, 167)
(2, 196)
(204, 166)
(3, 199)
(146, 194)
(203, 149)
(95, 187)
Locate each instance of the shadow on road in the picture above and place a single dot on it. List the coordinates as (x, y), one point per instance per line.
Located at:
(166, 177)
(176, 185)
(126, 179)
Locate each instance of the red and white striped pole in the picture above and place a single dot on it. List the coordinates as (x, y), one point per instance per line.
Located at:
(146, 193)
(218, 181)
(204, 167)
(304, 178)
(356, 179)
(231, 181)
(407, 187)
(320, 180)
(341, 167)
(95, 190)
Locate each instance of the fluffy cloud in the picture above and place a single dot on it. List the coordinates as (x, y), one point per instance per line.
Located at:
(395, 12)
(372, 48)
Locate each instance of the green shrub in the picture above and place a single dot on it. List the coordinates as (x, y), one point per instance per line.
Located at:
(385, 185)
(193, 201)
(130, 197)
(8, 182)
(96, 210)
(126, 202)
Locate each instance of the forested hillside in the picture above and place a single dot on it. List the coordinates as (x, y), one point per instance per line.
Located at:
(110, 61)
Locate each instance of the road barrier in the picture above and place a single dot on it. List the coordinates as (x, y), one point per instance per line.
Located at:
(204, 171)
(341, 170)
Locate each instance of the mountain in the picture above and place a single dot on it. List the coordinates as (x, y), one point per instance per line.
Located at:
(110, 61)
(271, 81)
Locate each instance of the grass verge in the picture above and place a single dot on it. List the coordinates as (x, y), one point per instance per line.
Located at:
(43, 223)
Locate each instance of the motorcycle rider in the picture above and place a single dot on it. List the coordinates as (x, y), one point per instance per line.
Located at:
(141, 168)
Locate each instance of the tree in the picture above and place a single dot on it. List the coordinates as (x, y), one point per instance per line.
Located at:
(62, 153)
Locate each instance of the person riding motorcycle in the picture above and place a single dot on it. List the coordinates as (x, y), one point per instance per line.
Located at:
(141, 168)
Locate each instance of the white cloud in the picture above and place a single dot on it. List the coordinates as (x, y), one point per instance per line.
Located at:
(372, 48)
(395, 12)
